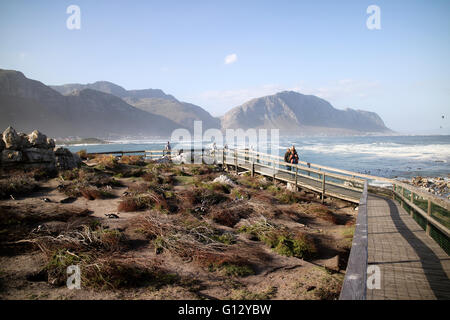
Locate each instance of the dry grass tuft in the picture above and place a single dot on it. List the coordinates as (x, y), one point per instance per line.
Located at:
(319, 210)
(230, 216)
(133, 160)
(18, 185)
(142, 201)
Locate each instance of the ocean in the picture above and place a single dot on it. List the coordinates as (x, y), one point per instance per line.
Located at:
(385, 156)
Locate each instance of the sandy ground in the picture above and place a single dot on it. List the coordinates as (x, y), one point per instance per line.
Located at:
(277, 277)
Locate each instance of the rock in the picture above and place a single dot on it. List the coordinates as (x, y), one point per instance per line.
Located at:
(164, 159)
(291, 187)
(24, 140)
(2, 143)
(60, 151)
(37, 139)
(11, 156)
(39, 155)
(224, 180)
(11, 139)
(50, 143)
(66, 160)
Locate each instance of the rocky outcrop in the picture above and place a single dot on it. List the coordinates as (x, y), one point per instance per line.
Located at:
(12, 140)
(439, 186)
(34, 150)
(65, 159)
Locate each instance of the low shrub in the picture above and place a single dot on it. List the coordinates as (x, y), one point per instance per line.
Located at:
(107, 161)
(280, 240)
(82, 154)
(141, 202)
(133, 160)
(319, 210)
(232, 215)
(17, 185)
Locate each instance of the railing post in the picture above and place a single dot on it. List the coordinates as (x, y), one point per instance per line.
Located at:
(429, 214)
(323, 187)
(235, 160)
(394, 190)
(401, 197)
(253, 168)
(309, 166)
(273, 172)
(296, 176)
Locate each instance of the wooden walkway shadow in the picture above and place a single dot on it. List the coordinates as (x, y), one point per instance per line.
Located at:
(412, 264)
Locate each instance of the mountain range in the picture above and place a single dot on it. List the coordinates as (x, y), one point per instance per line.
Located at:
(106, 110)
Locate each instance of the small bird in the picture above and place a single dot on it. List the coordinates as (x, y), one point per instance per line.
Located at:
(112, 215)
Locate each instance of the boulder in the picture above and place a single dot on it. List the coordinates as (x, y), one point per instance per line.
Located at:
(66, 160)
(11, 156)
(37, 139)
(39, 155)
(291, 187)
(50, 143)
(24, 142)
(2, 143)
(11, 139)
(224, 180)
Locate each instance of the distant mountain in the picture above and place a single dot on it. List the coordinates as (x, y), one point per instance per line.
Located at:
(28, 104)
(297, 114)
(106, 110)
(150, 100)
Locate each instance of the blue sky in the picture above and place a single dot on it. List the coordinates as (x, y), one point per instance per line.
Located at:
(402, 71)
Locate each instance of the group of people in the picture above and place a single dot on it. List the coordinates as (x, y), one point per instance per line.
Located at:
(291, 156)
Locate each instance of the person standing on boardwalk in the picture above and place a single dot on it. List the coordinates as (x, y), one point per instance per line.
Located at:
(293, 158)
(287, 157)
(168, 149)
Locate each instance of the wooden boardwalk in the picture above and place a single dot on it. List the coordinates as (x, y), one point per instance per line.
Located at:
(412, 265)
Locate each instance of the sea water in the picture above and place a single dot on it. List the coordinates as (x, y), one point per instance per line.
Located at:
(386, 156)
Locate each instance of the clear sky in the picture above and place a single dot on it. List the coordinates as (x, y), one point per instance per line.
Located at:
(219, 54)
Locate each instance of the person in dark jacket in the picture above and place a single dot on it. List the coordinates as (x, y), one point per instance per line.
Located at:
(293, 156)
(287, 157)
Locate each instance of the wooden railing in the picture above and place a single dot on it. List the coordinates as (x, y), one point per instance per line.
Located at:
(431, 212)
(355, 281)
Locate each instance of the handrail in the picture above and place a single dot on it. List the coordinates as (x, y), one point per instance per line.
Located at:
(355, 281)
(427, 215)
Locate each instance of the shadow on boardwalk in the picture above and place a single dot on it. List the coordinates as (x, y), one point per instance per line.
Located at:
(431, 263)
